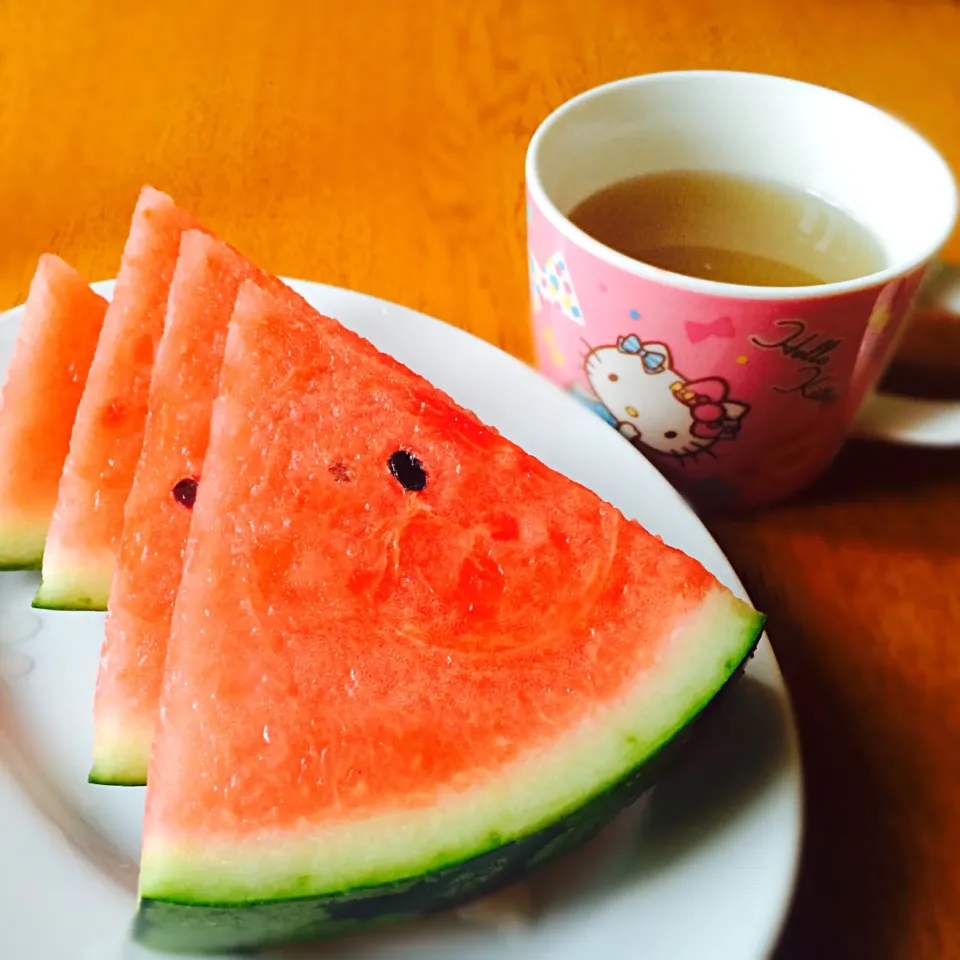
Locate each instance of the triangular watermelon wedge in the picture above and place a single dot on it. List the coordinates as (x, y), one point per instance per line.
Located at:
(78, 561)
(407, 660)
(51, 358)
(157, 513)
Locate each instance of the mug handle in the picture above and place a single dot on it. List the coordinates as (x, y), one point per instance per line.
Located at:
(924, 423)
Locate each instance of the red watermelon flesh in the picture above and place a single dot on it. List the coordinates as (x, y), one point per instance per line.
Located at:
(51, 357)
(78, 562)
(371, 677)
(158, 510)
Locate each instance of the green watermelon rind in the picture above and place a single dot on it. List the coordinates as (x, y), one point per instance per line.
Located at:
(182, 922)
(50, 600)
(104, 776)
(114, 779)
(21, 546)
(83, 585)
(121, 752)
(11, 561)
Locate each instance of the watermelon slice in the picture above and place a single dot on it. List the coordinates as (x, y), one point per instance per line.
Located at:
(157, 514)
(78, 561)
(51, 357)
(407, 660)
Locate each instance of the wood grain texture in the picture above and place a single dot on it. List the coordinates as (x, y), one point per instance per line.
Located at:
(380, 146)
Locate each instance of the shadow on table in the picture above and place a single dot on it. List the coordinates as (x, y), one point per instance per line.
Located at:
(875, 493)
(856, 871)
(868, 469)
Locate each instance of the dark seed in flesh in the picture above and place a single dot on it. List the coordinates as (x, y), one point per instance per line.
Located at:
(407, 470)
(185, 492)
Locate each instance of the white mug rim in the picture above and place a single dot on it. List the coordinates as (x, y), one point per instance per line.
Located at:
(715, 288)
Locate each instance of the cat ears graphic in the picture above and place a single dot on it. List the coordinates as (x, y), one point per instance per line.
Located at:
(553, 284)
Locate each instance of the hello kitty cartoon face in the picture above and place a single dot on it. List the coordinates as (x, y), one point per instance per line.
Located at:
(656, 407)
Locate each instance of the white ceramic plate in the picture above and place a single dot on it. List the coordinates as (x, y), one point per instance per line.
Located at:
(703, 867)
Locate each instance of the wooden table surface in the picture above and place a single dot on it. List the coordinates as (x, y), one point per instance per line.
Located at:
(380, 146)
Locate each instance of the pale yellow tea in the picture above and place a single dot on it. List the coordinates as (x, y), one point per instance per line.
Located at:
(731, 229)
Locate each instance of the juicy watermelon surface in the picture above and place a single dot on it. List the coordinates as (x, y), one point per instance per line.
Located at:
(58, 334)
(79, 559)
(376, 687)
(156, 524)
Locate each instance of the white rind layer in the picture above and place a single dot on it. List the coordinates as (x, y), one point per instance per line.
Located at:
(75, 581)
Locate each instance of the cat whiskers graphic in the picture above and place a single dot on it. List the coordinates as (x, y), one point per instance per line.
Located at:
(692, 452)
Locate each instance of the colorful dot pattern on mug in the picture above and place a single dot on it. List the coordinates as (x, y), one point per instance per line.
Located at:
(553, 284)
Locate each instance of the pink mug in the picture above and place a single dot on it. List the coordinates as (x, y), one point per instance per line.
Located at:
(740, 395)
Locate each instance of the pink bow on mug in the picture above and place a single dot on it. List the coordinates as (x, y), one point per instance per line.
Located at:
(722, 327)
(706, 398)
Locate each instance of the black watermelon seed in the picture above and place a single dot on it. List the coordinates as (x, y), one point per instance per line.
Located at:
(185, 492)
(407, 470)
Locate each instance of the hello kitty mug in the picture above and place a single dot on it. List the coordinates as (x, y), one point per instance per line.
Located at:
(740, 395)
